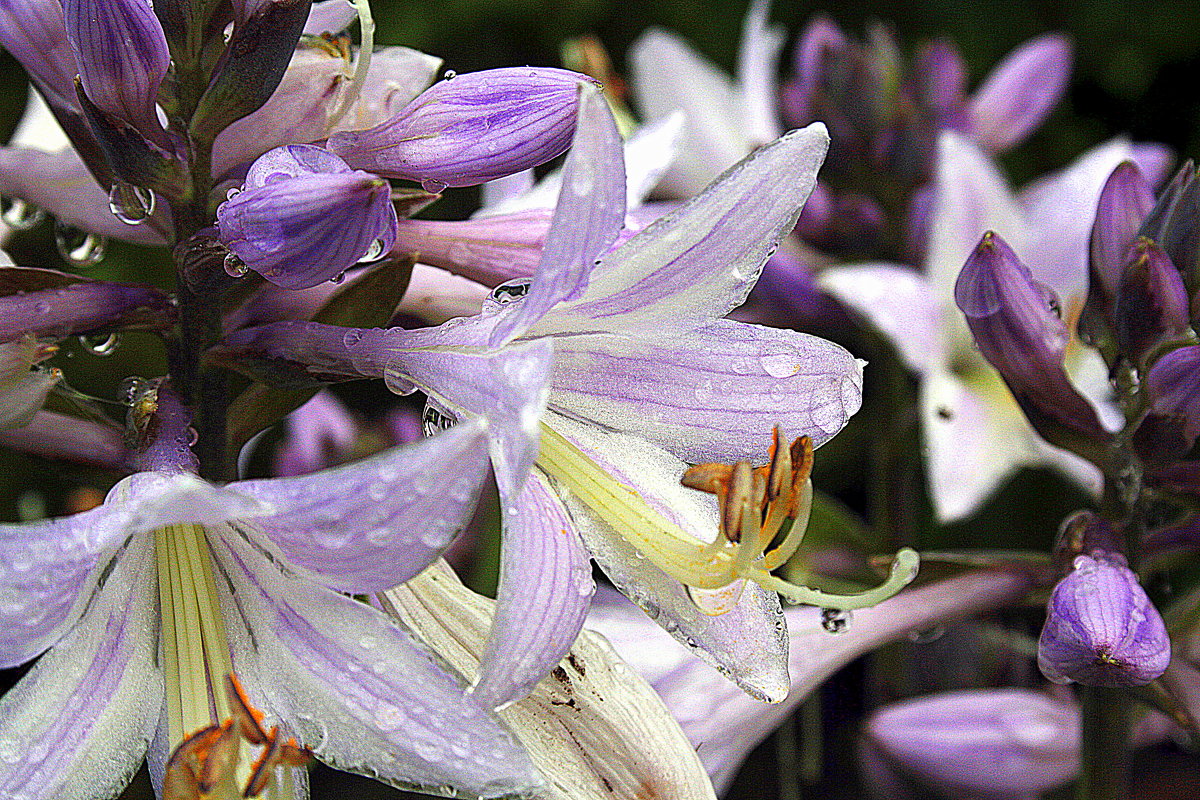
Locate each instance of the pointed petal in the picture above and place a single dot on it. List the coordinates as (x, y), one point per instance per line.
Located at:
(1020, 92)
(898, 301)
(970, 197)
(589, 215)
(747, 644)
(667, 75)
(594, 729)
(758, 59)
(712, 394)
(377, 522)
(700, 261)
(359, 690)
(975, 437)
(77, 725)
(545, 588)
(725, 724)
(62, 185)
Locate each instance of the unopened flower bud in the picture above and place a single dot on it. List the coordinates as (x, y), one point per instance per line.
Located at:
(1016, 325)
(993, 742)
(303, 217)
(1173, 386)
(1020, 92)
(1151, 302)
(1123, 204)
(472, 128)
(1101, 629)
(122, 55)
(81, 307)
(1174, 223)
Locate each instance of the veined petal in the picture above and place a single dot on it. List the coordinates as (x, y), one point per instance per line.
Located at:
(544, 591)
(77, 725)
(700, 261)
(899, 302)
(712, 394)
(489, 250)
(61, 184)
(970, 197)
(379, 521)
(594, 729)
(975, 437)
(587, 219)
(748, 643)
(669, 76)
(358, 689)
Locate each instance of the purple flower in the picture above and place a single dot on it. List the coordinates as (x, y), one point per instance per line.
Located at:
(173, 579)
(998, 743)
(1101, 629)
(471, 129)
(122, 55)
(303, 216)
(77, 306)
(1124, 202)
(1173, 386)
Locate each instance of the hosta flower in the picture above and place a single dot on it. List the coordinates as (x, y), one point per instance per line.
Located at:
(645, 373)
(146, 602)
(974, 431)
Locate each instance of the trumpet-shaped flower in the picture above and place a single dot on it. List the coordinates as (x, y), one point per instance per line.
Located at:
(973, 430)
(646, 374)
(145, 603)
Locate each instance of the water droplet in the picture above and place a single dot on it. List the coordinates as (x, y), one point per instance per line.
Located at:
(232, 193)
(41, 307)
(374, 252)
(234, 266)
(449, 75)
(377, 491)
(78, 246)
(434, 420)
(352, 337)
(341, 276)
(779, 365)
(835, 620)
(104, 344)
(193, 436)
(367, 642)
(131, 204)
(927, 636)
(434, 186)
(19, 215)
(507, 292)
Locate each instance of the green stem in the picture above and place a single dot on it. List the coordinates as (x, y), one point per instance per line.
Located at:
(1104, 756)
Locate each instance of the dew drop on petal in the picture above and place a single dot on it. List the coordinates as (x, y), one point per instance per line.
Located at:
(104, 344)
(19, 215)
(234, 266)
(835, 620)
(374, 252)
(434, 186)
(80, 248)
(352, 337)
(341, 276)
(449, 75)
(131, 204)
(779, 365)
(41, 307)
(232, 193)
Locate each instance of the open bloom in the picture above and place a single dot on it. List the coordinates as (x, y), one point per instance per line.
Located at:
(974, 432)
(146, 603)
(645, 375)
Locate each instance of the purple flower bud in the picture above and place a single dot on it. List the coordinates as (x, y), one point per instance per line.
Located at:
(1016, 325)
(122, 55)
(1173, 386)
(82, 307)
(1151, 302)
(940, 77)
(1174, 223)
(993, 742)
(1123, 204)
(33, 32)
(1020, 92)
(821, 38)
(471, 129)
(1101, 629)
(303, 216)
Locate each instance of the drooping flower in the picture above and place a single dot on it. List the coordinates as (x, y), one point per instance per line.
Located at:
(626, 404)
(247, 579)
(975, 433)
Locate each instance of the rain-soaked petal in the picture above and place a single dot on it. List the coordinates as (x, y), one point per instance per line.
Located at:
(77, 725)
(712, 394)
(544, 591)
(358, 689)
(378, 521)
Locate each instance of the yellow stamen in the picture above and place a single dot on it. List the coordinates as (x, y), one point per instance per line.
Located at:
(754, 504)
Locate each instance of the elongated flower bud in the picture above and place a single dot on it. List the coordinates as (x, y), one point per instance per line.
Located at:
(303, 217)
(1101, 629)
(82, 307)
(1015, 323)
(1152, 303)
(122, 55)
(1020, 92)
(1124, 202)
(471, 129)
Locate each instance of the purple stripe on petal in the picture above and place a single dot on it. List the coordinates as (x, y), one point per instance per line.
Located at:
(78, 723)
(361, 691)
(712, 394)
(544, 592)
(589, 215)
(377, 522)
(81, 307)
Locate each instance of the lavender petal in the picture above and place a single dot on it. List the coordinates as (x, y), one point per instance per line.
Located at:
(1020, 92)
